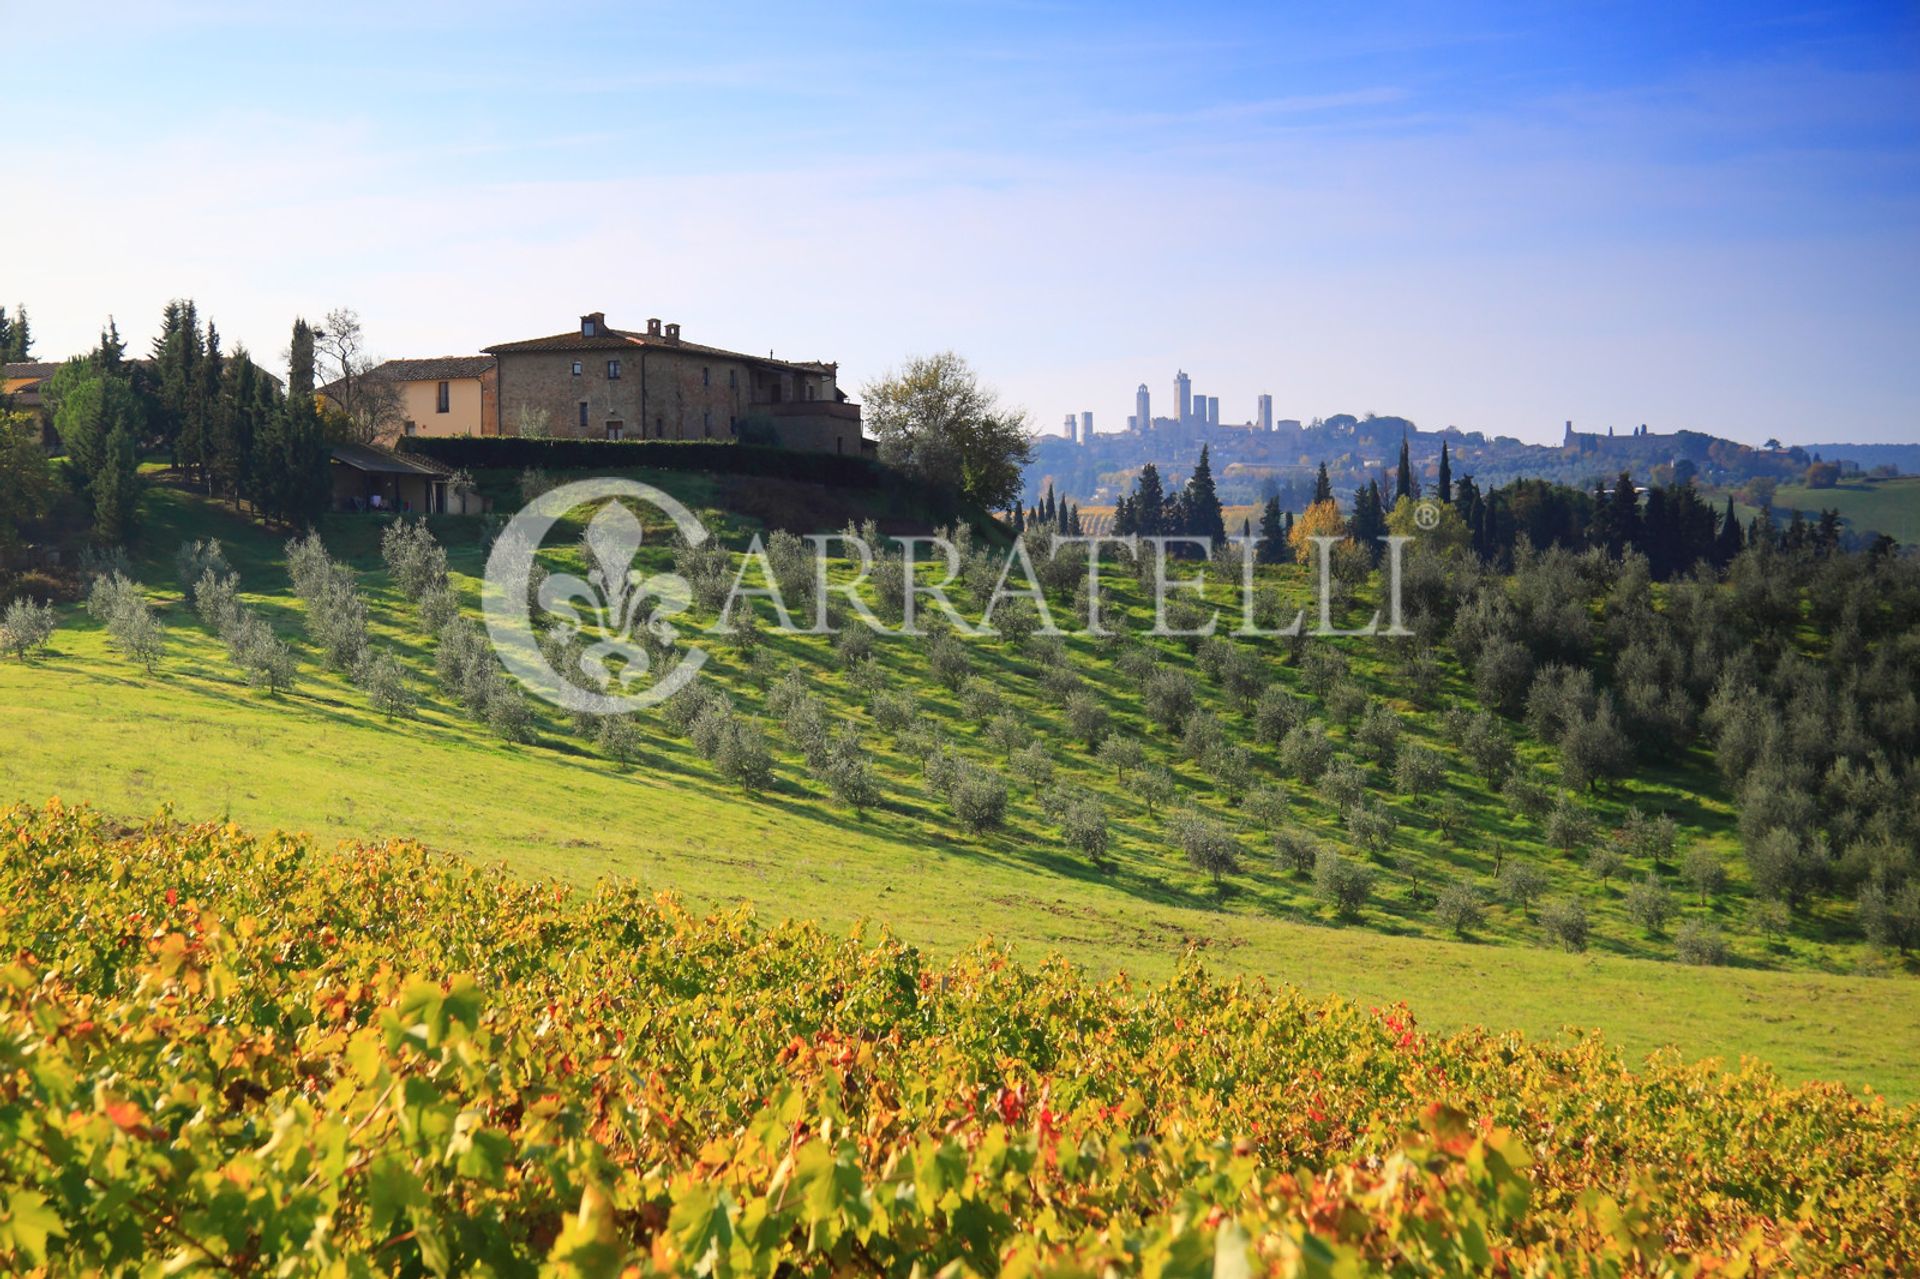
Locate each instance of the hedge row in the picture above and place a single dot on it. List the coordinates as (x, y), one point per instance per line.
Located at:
(514, 453)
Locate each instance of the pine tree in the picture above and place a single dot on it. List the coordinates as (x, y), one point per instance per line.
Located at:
(1322, 487)
(111, 354)
(1446, 476)
(16, 335)
(1073, 522)
(1201, 512)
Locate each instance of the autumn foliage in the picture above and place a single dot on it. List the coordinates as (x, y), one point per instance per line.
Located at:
(229, 1053)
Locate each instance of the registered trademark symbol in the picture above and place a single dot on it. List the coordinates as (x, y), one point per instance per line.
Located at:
(1427, 515)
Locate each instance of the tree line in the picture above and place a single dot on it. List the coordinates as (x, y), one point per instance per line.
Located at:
(220, 417)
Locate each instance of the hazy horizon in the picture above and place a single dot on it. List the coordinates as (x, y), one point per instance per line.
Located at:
(1500, 221)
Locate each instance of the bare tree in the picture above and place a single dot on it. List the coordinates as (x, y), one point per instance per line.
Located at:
(371, 404)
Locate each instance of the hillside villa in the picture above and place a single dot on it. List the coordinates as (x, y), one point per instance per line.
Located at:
(598, 382)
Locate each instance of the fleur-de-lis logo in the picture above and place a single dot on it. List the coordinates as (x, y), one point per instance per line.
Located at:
(617, 612)
(614, 603)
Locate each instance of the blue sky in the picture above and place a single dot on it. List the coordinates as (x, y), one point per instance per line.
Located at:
(1498, 216)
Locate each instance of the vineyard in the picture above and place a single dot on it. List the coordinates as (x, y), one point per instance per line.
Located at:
(234, 1053)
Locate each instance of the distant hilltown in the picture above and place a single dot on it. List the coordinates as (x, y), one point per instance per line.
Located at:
(1268, 457)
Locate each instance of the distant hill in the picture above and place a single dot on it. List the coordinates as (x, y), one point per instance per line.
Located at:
(1868, 456)
(1250, 464)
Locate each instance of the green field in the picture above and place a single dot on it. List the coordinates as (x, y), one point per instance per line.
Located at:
(1890, 506)
(86, 725)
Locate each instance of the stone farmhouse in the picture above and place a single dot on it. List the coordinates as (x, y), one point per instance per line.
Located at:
(601, 383)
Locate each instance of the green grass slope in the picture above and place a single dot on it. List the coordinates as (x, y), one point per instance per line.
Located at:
(86, 725)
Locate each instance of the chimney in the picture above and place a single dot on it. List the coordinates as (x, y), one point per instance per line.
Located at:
(653, 328)
(673, 333)
(593, 324)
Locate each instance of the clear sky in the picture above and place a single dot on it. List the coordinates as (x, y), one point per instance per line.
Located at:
(1501, 218)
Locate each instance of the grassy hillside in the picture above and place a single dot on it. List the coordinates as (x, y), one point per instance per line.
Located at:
(320, 760)
(1890, 506)
(265, 1059)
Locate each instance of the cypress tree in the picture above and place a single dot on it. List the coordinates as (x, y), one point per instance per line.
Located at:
(1150, 503)
(1203, 517)
(1403, 478)
(1322, 486)
(1273, 530)
(300, 362)
(1446, 475)
(1729, 543)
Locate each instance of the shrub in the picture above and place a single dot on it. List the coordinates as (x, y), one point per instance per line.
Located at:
(216, 598)
(1305, 752)
(949, 661)
(848, 772)
(1565, 921)
(514, 452)
(1526, 798)
(194, 561)
(1083, 825)
(108, 595)
(1698, 942)
(1458, 908)
(1649, 904)
(739, 753)
(1604, 862)
(1704, 872)
(1276, 713)
(438, 607)
(1371, 827)
(508, 716)
(26, 628)
(1295, 850)
(854, 646)
(1266, 805)
(1121, 753)
(618, 738)
(1086, 719)
(1568, 825)
(1202, 734)
(1377, 736)
(1168, 698)
(1209, 846)
(416, 563)
(978, 798)
(893, 710)
(1522, 883)
(1344, 784)
(131, 625)
(1785, 865)
(1418, 770)
(1486, 744)
(1033, 765)
(1155, 787)
(384, 681)
(1342, 883)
